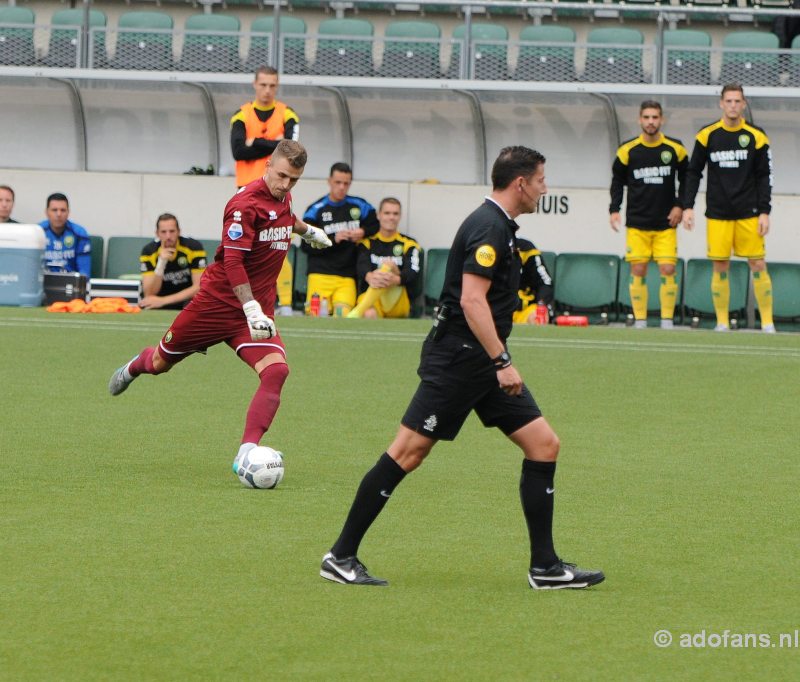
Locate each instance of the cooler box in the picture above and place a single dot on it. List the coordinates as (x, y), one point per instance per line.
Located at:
(21, 264)
(129, 289)
(64, 286)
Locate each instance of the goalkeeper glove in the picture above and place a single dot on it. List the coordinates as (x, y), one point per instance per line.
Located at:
(315, 237)
(261, 327)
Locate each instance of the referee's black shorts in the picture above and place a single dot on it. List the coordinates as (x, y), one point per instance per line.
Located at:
(457, 378)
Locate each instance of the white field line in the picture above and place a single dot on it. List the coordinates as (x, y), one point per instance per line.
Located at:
(416, 337)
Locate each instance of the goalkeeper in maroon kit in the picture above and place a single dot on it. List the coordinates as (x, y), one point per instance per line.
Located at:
(236, 300)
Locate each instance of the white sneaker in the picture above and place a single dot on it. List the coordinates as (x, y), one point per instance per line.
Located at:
(768, 329)
(121, 378)
(722, 328)
(640, 324)
(244, 448)
(667, 324)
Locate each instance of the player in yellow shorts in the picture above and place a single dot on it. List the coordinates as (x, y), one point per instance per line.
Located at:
(388, 264)
(535, 285)
(738, 201)
(652, 166)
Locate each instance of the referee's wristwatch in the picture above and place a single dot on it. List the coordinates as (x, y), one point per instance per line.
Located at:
(502, 361)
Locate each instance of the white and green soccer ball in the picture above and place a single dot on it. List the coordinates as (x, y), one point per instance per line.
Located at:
(261, 467)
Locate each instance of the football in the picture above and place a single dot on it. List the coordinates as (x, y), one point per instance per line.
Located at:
(262, 467)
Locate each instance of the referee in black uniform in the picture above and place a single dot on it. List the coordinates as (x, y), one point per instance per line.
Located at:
(465, 366)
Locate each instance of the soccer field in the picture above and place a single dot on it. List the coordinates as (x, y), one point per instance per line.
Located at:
(128, 549)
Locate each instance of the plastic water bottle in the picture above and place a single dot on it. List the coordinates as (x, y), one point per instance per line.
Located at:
(314, 305)
(323, 308)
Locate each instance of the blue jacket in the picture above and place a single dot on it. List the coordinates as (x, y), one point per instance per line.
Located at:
(71, 251)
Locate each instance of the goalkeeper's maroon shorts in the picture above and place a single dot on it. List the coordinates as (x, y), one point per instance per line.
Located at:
(206, 322)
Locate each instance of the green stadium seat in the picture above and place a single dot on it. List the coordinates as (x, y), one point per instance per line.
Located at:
(16, 39)
(144, 41)
(653, 290)
(489, 51)
(608, 61)
(416, 57)
(123, 255)
(63, 46)
(687, 65)
(794, 63)
(293, 57)
(344, 48)
(541, 56)
(697, 300)
(586, 284)
(97, 255)
(211, 246)
(786, 295)
(434, 277)
(759, 68)
(211, 43)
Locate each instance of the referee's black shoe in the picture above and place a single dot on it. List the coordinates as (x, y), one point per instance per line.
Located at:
(348, 571)
(562, 575)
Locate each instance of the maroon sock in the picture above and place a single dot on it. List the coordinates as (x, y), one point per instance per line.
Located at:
(265, 402)
(143, 363)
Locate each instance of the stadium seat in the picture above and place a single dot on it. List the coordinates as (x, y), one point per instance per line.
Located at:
(123, 255)
(344, 48)
(97, 255)
(489, 52)
(211, 43)
(697, 300)
(63, 46)
(415, 293)
(144, 41)
(417, 57)
(750, 68)
(542, 60)
(434, 277)
(608, 61)
(293, 58)
(786, 295)
(210, 246)
(16, 39)
(687, 65)
(653, 291)
(587, 284)
(794, 63)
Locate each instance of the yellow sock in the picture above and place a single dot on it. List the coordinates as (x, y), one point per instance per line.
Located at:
(638, 290)
(762, 286)
(390, 296)
(668, 294)
(285, 284)
(368, 300)
(721, 293)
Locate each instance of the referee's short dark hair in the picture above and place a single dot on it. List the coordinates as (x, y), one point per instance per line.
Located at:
(650, 104)
(514, 162)
(340, 167)
(57, 196)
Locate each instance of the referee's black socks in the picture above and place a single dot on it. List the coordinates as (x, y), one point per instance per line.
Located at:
(373, 493)
(536, 490)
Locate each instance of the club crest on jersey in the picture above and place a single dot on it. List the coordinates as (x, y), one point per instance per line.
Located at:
(182, 261)
(355, 213)
(397, 250)
(69, 240)
(666, 156)
(168, 336)
(744, 140)
(235, 231)
(273, 215)
(485, 256)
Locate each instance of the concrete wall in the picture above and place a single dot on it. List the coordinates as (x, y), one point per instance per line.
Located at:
(571, 220)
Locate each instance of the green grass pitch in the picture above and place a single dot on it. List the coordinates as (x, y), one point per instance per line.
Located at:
(128, 549)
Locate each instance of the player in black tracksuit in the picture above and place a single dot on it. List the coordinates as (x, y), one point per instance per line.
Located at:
(535, 284)
(465, 366)
(738, 201)
(653, 168)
